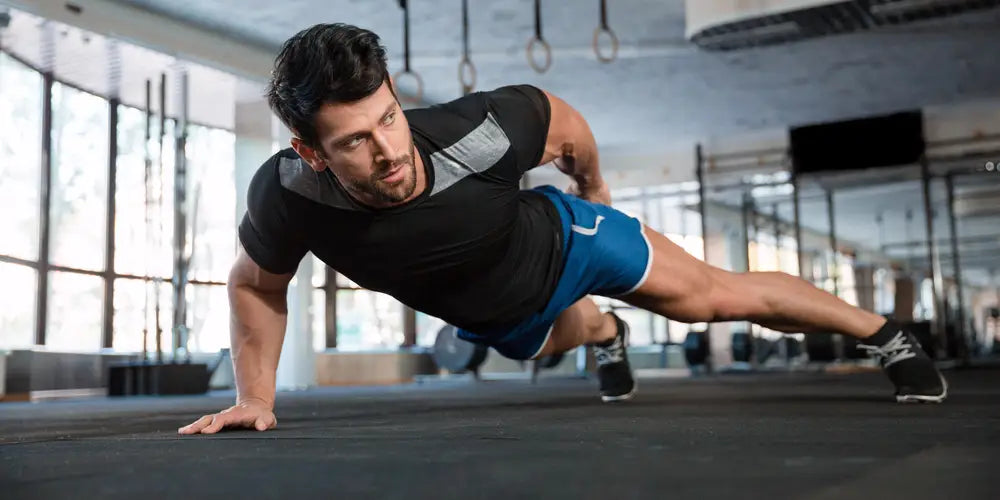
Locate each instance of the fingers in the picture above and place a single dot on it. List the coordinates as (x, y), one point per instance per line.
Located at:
(211, 424)
(219, 420)
(197, 426)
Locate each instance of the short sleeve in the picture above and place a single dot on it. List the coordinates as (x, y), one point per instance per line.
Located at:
(523, 113)
(267, 231)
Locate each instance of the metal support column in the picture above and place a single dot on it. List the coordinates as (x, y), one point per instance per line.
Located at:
(409, 327)
(748, 218)
(963, 350)
(700, 175)
(777, 236)
(331, 308)
(932, 252)
(796, 208)
(109, 249)
(834, 273)
(42, 292)
(181, 259)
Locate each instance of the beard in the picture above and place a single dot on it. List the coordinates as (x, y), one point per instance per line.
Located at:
(382, 192)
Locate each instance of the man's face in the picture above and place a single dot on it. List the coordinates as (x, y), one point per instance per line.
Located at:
(368, 147)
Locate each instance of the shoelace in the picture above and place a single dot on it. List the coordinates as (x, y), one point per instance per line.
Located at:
(894, 351)
(610, 354)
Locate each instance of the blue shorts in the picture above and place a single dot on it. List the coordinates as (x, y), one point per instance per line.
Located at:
(605, 252)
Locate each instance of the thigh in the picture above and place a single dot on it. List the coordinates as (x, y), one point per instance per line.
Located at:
(683, 288)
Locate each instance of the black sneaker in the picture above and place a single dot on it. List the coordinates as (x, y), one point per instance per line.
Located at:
(613, 370)
(916, 378)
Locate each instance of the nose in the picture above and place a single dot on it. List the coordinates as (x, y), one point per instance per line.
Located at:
(383, 149)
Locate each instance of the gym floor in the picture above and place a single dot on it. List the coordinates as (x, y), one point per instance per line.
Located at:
(798, 435)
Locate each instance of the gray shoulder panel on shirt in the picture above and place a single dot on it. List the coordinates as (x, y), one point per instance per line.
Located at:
(475, 153)
(297, 176)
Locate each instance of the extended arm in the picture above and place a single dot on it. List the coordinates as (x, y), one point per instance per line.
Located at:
(257, 327)
(259, 313)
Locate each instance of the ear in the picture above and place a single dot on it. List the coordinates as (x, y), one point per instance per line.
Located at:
(309, 154)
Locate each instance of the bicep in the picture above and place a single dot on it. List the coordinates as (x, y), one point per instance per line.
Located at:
(245, 272)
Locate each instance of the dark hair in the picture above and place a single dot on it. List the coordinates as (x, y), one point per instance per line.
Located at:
(327, 63)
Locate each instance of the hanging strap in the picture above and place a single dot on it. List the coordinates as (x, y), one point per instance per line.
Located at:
(406, 35)
(419, 94)
(539, 40)
(603, 28)
(465, 29)
(538, 20)
(466, 70)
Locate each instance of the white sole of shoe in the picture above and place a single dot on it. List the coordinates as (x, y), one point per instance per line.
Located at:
(623, 397)
(921, 398)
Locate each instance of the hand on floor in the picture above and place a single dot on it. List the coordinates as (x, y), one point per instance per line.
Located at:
(246, 415)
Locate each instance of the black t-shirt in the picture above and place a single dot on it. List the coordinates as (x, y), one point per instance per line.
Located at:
(473, 249)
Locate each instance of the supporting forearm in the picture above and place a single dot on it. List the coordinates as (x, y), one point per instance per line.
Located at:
(578, 158)
(257, 330)
(571, 145)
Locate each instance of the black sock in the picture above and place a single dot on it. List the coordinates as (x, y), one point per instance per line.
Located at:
(606, 343)
(884, 334)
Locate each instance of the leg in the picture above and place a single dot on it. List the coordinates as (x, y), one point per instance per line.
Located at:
(686, 289)
(584, 324)
(580, 324)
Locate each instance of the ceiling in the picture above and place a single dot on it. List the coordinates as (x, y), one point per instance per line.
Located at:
(84, 60)
(661, 89)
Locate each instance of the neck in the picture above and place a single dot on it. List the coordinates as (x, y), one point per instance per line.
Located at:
(418, 164)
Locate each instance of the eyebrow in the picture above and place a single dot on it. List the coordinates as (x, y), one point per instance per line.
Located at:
(345, 136)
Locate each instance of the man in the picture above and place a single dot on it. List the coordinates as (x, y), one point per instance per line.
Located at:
(426, 206)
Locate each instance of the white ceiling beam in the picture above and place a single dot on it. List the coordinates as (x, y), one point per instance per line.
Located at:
(156, 32)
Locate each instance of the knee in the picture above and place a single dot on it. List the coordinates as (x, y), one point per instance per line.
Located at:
(595, 324)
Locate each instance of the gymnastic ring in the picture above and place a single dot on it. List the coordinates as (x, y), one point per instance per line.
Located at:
(530, 49)
(614, 45)
(414, 99)
(466, 67)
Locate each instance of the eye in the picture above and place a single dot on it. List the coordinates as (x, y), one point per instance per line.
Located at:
(354, 142)
(389, 119)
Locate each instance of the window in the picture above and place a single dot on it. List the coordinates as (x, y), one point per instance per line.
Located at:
(211, 157)
(75, 314)
(17, 316)
(208, 318)
(846, 284)
(20, 158)
(135, 309)
(924, 307)
(641, 324)
(427, 329)
(367, 320)
(136, 250)
(788, 256)
(885, 291)
(79, 178)
(318, 314)
(317, 309)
